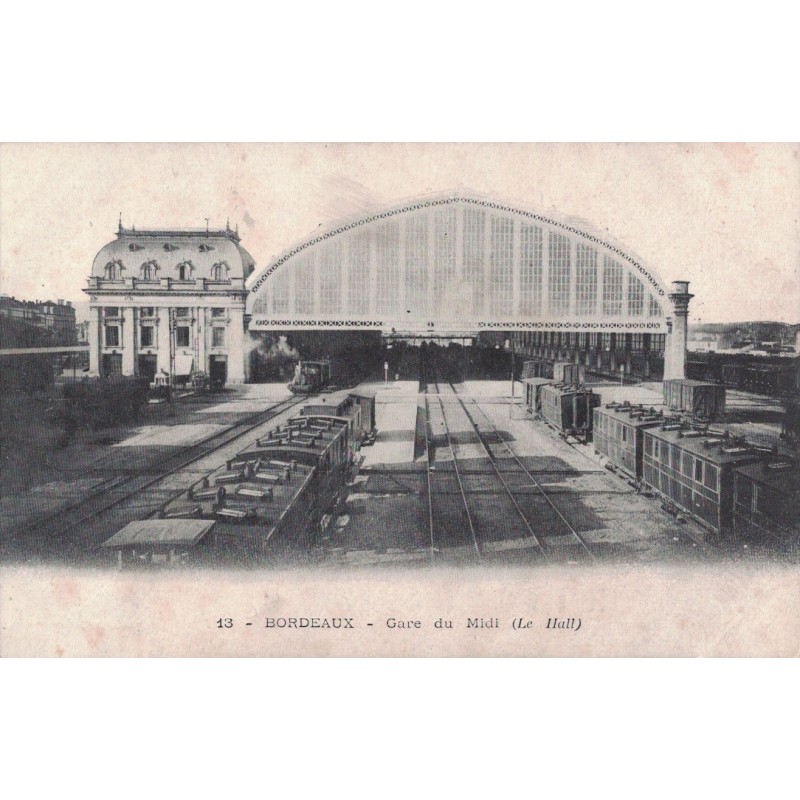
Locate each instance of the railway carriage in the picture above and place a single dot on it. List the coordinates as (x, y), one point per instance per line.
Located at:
(568, 372)
(732, 375)
(365, 399)
(533, 393)
(766, 498)
(343, 406)
(270, 500)
(537, 368)
(557, 371)
(569, 409)
(695, 470)
(618, 434)
(765, 379)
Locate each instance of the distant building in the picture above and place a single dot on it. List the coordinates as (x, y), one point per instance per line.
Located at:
(83, 332)
(56, 317)
(169, 302)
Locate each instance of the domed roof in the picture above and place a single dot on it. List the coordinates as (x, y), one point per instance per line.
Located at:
(215, 255)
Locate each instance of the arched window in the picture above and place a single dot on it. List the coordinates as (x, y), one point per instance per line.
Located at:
(219, 272)
(185, 269)
(149, 270)
(113, 269)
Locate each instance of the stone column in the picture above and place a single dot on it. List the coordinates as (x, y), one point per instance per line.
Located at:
(163, 341)
(95, 330)
(128, 341)
(203, 338)
(235, 345)
(675, 350)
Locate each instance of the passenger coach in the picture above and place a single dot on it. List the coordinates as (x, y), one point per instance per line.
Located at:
(694, 469)
(569, 409)
(618, 434)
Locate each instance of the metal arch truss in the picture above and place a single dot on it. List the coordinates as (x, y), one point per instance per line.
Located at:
(259, 322)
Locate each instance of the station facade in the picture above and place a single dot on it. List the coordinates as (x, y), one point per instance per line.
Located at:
(169, 302)
(446, 266)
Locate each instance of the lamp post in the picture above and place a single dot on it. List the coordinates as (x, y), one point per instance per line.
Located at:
(512, 368)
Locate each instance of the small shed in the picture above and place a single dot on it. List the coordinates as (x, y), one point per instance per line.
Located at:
(158, 540)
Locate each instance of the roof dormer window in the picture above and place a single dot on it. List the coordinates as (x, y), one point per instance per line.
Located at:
(133, 247)
(171, 247)
(219, 272)
(185, 270)
(112, 271)
(205, 248)
(149, 270)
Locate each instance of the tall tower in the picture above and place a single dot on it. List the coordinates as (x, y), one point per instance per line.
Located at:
(675, 350)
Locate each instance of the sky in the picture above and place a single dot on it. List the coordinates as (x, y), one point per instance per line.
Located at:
(724, 217)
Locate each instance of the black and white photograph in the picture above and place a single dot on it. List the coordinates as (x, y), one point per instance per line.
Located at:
(410, 389)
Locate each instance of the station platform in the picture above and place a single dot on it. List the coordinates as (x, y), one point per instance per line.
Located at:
(169, 435)
(396, 405)
(249, 398)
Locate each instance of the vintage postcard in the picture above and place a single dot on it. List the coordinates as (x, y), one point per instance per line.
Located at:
(400, 400)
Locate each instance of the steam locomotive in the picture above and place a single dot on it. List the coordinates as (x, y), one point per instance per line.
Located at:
(310, 377)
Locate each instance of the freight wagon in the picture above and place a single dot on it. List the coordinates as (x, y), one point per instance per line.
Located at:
(766, 499)
(765, 379)
(568, 372)
(695, 469)
(279, 489)
(342, 406)
(533, 393)
(537, 368)
(732, 375)
(618, 434)
(698, 398)
(768, 375)
(557, 371)
(569, 409)
(365, 399)
(271, 498)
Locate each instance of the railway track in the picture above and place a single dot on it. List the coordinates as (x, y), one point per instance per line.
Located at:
(450, 514)
(55, 531)
(482, 511)
(557, 537)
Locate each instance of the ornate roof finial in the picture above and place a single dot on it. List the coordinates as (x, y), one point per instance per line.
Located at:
(206, 219)
(228, 224)
(120, 222)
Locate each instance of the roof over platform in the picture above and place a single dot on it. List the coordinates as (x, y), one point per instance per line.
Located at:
(452, 262)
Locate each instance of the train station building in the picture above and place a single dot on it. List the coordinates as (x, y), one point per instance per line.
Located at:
(451, 266)
(169, 302)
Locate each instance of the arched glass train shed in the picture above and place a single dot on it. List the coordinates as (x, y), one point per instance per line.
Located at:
(455, 262)
(459, 265)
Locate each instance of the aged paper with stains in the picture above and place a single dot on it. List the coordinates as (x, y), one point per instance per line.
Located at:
(722, 217)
